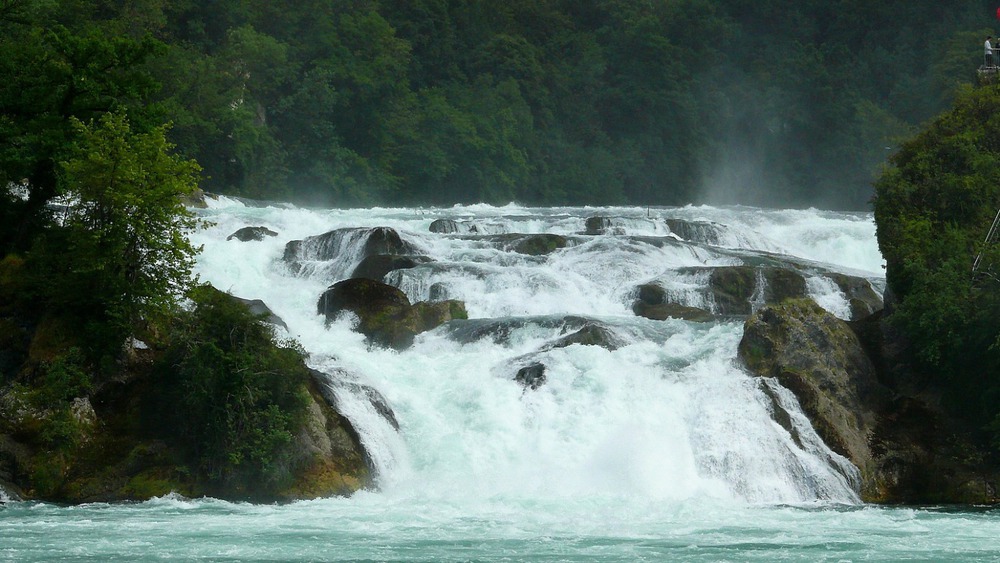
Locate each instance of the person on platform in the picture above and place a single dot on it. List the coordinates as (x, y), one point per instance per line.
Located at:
(988, 52)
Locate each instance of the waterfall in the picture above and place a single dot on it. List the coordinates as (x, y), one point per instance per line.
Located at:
(663, 413)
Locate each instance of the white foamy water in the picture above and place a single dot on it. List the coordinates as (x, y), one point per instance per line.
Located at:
(661, 448)
(667, 415)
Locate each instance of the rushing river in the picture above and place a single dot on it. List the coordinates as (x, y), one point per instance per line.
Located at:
(657, 448)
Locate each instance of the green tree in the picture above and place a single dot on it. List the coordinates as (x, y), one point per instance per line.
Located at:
(933, 207)
(123, 254)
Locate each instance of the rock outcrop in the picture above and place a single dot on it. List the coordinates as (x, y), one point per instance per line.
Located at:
(652, 303)
(905, 449)
(247, 234)
(376, 267)
(385, 314)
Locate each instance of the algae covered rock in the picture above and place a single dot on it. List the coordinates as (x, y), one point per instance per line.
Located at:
(652, 303)
(376, 267)
(385, 314)
(817, 357)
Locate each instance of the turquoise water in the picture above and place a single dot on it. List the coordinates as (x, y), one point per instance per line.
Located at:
(372, 527)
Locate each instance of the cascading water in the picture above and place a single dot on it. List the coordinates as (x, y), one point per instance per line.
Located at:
(664, 413)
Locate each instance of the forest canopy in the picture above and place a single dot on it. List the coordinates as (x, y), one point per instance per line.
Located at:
(361, 102)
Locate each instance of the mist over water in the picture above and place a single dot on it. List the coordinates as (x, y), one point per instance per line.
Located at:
(657, 447)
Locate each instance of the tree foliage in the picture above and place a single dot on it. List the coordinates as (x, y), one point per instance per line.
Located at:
(440, 101)
(934, 207)
(229, 397)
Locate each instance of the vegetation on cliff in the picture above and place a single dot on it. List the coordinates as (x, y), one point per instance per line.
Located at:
(934, 206)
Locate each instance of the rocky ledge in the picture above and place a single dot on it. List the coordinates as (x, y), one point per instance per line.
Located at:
(907, 449)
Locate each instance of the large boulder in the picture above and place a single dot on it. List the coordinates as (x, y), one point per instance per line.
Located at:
(329, 458)
(384, 311)
(247, 234)
(817, 357)
(652, 303)
(597, 225)
(531, 376)
(905, 448)
(363, 241)
(259, 308)
(386, 316)
(376, 267)
(446, 227)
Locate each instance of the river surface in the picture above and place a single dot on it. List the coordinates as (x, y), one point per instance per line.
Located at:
(657, 448)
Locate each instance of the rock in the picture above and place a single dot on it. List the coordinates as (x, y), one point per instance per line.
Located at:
(597, 225)
(652, 304)
(664, 311)
(592, 334)
(864, 300)
(376, 267)
(531, 376)
(445, 226)
(432, 314)
(196, 199)
(329, 458)
(817, 357)
(737, 290)
(259, 308)
(378, 240)
(247, 234)
(386, 316)
(539, 244)
(705, 232)
(384, 311)
(342, 379)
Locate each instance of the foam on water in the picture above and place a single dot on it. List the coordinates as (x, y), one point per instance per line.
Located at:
(668, 415)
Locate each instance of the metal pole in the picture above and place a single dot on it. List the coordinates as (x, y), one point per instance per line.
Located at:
(989, 237)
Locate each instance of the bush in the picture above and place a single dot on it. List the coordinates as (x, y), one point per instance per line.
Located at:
(933, 208)
(233, 399)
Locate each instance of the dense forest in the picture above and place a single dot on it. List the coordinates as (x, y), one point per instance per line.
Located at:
(362, 102)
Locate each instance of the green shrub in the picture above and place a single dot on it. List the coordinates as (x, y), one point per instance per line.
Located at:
(933, 208)
(232, 398)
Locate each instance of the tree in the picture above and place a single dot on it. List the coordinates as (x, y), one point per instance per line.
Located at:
(933, 208)
(126, 256)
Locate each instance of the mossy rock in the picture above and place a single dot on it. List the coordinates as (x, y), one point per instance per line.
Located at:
(664, 311)
(432, 314)
(539, 244)
(384, 311)
(247, 234)
(377, 266)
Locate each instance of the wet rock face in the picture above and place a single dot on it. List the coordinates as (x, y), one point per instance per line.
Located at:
(531, 376)
(592, 334)
(383, 310)
(817, 357)
(652, 304)
(378, 240)
(734, 288)
(247, 234)
(864, 300)
(907, 449)
(386, 316)
(704, 232)
(445, 226)
(378, 266)
(597, 225)
(538, 244)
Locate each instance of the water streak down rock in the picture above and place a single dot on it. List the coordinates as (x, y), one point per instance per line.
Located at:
(386, 316)
(906, 449)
